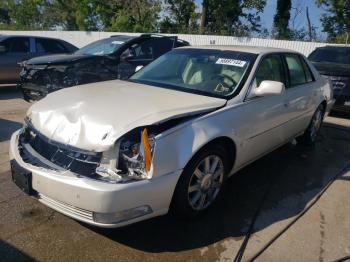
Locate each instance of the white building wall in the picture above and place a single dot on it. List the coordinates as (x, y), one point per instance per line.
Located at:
(80, 39)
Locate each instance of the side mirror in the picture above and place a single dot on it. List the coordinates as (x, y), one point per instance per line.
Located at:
(2, 49)
(138, 68)
(268, 88)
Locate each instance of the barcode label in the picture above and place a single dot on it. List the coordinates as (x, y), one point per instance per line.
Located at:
(231, 62)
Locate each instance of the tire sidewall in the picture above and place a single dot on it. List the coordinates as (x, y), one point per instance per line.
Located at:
(180, 204)
(307, 138)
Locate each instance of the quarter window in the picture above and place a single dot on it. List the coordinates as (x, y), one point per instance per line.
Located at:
(270, 68)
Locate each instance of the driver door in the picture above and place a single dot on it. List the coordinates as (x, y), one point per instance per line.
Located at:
(263, 118)
(143, 53)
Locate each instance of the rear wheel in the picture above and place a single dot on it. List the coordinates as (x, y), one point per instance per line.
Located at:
(311, 133)
(201, 182)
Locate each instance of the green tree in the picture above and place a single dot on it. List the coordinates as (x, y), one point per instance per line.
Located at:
(52, 14)
(281, 19)
(336, 21)
(181, 18)
(136, 16)
(4, 14)
(73, 14)
(22, 14)
(232, 17)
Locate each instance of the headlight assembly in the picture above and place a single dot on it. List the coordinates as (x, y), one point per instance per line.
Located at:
(134, 153)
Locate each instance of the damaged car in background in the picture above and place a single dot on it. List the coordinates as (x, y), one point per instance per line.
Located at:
(117, 152)
(333, 62)
(116, 57)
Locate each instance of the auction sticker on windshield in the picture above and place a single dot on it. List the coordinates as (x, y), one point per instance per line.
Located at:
(232, 62)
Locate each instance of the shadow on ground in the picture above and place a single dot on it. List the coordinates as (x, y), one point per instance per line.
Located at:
(10, 92)
(7, 127)
(10, 253)
(295, 175)
(340, 114)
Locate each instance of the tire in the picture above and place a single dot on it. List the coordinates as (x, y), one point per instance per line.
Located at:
(185, 203)
(310, 135)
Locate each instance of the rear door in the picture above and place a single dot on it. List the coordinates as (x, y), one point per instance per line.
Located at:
(17, 50)
(300, 99)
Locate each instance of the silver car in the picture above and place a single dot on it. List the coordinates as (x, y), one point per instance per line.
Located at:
(117, 152)
(15, 49)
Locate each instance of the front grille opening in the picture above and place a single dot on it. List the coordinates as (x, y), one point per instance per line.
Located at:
(82, 163)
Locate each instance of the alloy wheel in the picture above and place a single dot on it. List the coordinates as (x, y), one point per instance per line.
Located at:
(205, 182)
(316, 124)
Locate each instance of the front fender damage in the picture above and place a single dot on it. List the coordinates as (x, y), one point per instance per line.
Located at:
(126, 159)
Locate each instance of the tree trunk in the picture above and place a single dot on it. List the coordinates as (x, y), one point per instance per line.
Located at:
(309, 24)
(204, 16)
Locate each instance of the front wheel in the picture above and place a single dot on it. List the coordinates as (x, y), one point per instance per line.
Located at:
(311, 133)
(201, 182)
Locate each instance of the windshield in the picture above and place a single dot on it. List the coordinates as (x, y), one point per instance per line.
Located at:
(102, 47)
(203, 71)
(339, 55)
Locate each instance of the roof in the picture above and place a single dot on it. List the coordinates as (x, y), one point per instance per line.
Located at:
(36, 36)
(122, 37)
(247, 49)
(146, 35)
(333, 46)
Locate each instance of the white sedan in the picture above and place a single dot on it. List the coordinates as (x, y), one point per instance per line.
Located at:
(117, 152)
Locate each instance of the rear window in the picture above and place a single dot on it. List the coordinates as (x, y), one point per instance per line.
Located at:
(332, 55)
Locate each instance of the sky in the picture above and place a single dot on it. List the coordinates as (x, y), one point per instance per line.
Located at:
(299, 22)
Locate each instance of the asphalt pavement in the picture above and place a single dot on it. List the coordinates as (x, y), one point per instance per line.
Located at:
(297, 197)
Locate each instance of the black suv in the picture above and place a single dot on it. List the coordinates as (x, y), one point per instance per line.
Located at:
(17, 48)
(116, 57)
(333, 62)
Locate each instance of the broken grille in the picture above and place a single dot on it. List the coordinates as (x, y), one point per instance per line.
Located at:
(83, 163)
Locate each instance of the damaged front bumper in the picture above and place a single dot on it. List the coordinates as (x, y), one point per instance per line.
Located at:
(32, 92)
(34, 81)
(92, 201)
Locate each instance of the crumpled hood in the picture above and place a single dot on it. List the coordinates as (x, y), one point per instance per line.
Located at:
(57, 59)
(92, 117)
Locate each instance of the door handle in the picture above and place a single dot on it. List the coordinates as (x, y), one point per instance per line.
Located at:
(286, 103)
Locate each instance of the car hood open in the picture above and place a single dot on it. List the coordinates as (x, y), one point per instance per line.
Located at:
(92, 117)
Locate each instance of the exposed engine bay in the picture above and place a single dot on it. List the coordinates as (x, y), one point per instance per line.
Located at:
(39, 80)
